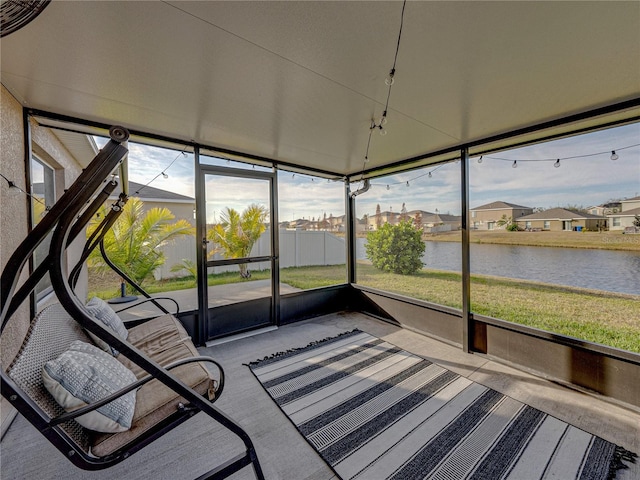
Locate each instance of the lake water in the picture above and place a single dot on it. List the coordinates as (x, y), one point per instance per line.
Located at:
(609, 270)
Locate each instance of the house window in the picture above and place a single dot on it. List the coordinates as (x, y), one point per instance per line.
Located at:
(527, 224)
(490, 225)
(43, 196)
(547, 225)
(473, 214)
(616, 221)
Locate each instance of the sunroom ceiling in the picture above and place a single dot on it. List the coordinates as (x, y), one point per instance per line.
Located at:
(299, 82)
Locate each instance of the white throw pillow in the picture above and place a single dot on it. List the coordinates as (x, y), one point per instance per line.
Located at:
(85, 374)
(103, 312)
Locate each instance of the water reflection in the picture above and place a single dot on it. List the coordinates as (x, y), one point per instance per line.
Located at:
(613, 271)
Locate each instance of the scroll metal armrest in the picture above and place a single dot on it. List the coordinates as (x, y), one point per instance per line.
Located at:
(153, 299)
(65, 417)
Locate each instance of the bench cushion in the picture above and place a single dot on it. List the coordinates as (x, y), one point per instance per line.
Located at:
(164, 340)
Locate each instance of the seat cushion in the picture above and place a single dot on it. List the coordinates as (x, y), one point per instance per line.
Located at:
(164, 340)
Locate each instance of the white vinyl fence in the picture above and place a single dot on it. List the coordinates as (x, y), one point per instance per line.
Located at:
(298, 248)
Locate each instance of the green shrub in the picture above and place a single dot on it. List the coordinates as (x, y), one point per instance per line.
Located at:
(396, 248)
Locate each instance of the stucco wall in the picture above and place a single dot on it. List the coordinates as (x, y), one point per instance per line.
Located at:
(13, 217)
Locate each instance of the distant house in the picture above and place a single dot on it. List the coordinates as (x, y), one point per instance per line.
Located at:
(605, 209)
(440, 222)
(624, 220)
(425, 218)
(485, 217)
(561, 219)
(181, 206)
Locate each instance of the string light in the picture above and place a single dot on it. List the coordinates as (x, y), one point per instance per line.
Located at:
(514, 164)
(390, 78)
(163, 173)
(15, 190)
(389, 81)
(614, 156)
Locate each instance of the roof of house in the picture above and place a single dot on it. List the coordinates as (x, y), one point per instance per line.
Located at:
(499, 205)
(634, 199)
(559, 214)
(150, 193)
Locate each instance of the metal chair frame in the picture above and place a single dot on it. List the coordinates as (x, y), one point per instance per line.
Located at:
(67, 219)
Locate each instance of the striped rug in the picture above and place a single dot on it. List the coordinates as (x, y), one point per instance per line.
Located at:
(374, 411)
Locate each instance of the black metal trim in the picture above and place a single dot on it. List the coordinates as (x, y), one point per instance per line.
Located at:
(560, 339)
(238, 261)
(163, 138)
(467, 327)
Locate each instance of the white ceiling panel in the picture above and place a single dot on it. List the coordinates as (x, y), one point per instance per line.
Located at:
(299, 82)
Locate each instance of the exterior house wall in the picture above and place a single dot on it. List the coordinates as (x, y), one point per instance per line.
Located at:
(630, 204)
(481, 219)
(625, 221)
(182, 211)
(558, 225)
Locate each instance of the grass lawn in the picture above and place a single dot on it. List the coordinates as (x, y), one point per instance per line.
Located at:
(615, 240)
(601, 317)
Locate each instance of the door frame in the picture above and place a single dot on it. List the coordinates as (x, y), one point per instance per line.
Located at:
(203, 319)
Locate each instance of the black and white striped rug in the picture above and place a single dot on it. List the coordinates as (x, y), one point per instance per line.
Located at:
(374, 411)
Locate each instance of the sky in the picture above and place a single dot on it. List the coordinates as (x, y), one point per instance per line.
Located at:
(591, 178)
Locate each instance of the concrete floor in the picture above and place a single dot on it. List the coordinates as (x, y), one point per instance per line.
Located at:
(198, 445)
(217, 295)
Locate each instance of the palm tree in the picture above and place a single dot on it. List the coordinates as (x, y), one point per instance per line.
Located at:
(133, 243)
(236, 234)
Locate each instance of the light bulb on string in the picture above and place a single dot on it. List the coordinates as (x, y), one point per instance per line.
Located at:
(14, 190)
(382, 131)
(514, 164)
(557, 164)
(387, 187)
(480, 159)
(614, 155)
(430, 175)
(390, 80)
(164, 175)
(407, 183)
